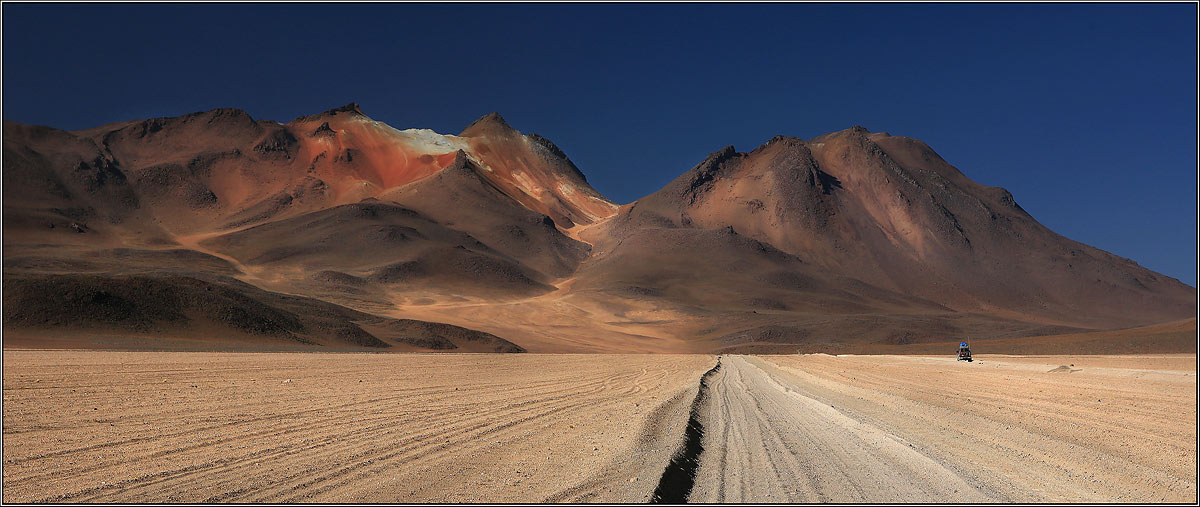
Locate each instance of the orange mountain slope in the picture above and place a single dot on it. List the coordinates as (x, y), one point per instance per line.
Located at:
(846, 240)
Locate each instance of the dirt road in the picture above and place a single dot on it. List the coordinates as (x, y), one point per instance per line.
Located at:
(820, 428)
(88, 426)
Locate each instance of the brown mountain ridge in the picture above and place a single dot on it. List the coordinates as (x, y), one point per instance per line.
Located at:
(337, 230)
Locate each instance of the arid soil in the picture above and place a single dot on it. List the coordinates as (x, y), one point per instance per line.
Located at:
(1176, 337)
(202, 427)
(819, 428)
(88, 426)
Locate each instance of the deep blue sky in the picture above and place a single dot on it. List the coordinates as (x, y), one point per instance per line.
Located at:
(1087, 113)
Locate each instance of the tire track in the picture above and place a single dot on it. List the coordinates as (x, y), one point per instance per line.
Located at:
(274, 434)
(1047, 452)
(777, 445)
(327, 436)
(461, 428)
(474, 431)
(369, 433)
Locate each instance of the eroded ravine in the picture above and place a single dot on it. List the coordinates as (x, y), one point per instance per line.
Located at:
(679, 477)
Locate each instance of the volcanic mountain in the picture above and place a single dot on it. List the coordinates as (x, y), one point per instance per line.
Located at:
(888, 211)
(476, 213)
(339, 230)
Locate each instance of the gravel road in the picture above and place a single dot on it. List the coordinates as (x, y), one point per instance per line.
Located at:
(90, 426)
(819, 428)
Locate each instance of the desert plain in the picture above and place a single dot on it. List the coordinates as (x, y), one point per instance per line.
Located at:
(218, 308)
(113, 426)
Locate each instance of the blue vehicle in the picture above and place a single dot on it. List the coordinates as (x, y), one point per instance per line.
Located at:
(964, 352)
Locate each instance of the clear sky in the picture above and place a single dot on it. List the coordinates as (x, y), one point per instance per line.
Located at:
(1086, 112)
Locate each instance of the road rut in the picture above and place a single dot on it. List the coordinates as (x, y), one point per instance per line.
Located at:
(767, 442)
(820, 428)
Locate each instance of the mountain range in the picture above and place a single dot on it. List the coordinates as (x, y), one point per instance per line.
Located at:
(333, 230)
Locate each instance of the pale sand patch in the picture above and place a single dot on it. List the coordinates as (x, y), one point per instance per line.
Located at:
(1116, 428)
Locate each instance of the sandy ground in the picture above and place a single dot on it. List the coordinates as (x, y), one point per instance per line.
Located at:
(86, 426)
(819, 428)
(233, 427)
